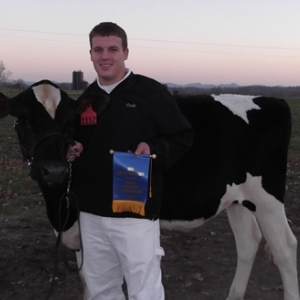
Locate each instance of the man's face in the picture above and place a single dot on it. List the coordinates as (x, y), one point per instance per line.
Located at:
(108, 58)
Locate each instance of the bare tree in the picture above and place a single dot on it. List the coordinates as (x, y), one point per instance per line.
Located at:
(4, 74)
(18, 84)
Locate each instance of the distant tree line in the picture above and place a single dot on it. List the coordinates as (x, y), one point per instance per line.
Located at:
(8, 83)
(254, 90)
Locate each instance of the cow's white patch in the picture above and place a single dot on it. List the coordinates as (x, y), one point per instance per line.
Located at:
(71, 237)
(49, 96)
(180, 225)
(251, 190)
(238, 104)
(233, 193)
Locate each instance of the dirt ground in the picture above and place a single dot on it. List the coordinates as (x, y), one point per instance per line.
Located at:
(198, 265)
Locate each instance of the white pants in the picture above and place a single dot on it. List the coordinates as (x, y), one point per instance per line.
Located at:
(114, 248)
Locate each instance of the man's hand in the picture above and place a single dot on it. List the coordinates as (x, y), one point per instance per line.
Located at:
(142, 148)
(74, 151)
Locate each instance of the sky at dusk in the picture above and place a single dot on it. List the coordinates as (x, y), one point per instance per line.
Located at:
(209, 42)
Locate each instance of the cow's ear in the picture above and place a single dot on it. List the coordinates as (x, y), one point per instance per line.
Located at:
(4, 106)
(98, 103)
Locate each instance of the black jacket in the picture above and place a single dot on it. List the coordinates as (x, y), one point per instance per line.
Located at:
(138, 110)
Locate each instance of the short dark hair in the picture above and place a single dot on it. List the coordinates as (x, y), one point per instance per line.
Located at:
(107, 29)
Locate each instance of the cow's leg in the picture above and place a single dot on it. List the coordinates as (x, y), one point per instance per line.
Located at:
(283, 244)
(71, 237)
(247, 237)
(86, 294)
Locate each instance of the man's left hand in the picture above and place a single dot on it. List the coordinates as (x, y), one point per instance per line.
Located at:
(142, 148)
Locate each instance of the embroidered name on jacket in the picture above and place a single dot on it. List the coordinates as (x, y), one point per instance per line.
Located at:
(131, 105)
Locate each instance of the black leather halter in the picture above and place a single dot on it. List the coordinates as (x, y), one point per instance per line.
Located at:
(28, 153)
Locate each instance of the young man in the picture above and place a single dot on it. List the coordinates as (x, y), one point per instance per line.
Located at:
(133, 114)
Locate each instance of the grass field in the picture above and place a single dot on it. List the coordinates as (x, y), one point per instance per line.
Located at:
(18, 191)
(294, 152)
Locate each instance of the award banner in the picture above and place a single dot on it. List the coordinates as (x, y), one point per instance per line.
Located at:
(130, 182)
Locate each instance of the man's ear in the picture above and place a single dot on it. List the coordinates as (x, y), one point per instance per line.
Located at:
(4, 106)
(126, 53)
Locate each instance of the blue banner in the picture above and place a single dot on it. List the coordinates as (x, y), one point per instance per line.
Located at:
(130, 182)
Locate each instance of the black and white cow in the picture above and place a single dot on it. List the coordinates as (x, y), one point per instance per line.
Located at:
(238, 163)
(44, 125)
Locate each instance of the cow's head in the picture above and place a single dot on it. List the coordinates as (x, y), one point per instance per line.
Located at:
(44, 124)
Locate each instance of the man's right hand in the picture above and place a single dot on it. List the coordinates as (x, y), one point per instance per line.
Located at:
(74, 151)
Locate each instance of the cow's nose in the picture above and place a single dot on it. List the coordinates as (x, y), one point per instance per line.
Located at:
(54, 173)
